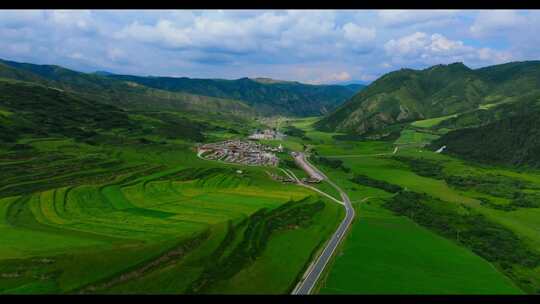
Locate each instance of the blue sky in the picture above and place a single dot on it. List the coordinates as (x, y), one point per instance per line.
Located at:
(310, 46)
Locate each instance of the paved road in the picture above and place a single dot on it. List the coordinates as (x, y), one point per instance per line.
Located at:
(291, 174)
(314, 271)
(300, 159)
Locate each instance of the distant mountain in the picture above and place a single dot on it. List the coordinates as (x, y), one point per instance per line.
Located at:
(266, 95)
(103, 73)
(123, 94)
(512, 141)
(355, 86)
(265, 80)
(41, 111)
(408, 95)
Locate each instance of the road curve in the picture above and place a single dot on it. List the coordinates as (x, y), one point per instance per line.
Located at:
(314, 271)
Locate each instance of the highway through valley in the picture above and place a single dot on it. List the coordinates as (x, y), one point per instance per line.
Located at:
(314, 271)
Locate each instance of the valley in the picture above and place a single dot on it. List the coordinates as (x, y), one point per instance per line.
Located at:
(410, 169)
(118, 184)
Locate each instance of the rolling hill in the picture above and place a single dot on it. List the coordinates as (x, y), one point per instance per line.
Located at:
(242, 96)
(408, 95)
(30, 110)
(126, 95)
(269, 96)
(511, 141)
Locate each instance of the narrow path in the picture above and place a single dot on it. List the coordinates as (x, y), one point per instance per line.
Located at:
(314, 271)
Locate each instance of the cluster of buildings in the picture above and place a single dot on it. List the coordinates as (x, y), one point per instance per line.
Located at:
(241, 152)
(267, 134)
(280, 178)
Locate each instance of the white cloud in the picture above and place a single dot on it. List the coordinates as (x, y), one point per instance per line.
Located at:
(20, 18)
(116, 54)
(72, 19)
(303, 45)
(76, 55)
(333, 77)
(436, 48)
(495, 22)
(409, 45)
(396, 18)
(489, 55)
(359, 37)
(19, 48)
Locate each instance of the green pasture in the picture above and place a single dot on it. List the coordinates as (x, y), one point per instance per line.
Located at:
(430, 122)
(388, 254)
(95, 212)
(409, 136)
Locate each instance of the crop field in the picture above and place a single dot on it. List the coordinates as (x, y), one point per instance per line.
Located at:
(152, 218)
(419, 170)
(147, 216)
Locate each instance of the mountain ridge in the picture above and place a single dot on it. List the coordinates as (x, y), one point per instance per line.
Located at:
(266, 96)
(407, 95)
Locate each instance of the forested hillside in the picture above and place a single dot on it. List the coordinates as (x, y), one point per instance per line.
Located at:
(267, 95)
(244, 96)
(510, 141)
(408, 95)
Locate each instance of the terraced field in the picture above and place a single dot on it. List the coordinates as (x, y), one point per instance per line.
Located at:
(152, 219)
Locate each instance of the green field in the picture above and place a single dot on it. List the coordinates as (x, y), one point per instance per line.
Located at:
(150, 217)
(414, 137)
(373, 244)
(388, 254)
(129, 218)
(428, 123)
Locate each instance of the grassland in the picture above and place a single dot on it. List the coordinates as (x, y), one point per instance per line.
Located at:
(128, 215)
(371, 260)
(409, 136)
(388, 254)
(148, 217)
(428, 123)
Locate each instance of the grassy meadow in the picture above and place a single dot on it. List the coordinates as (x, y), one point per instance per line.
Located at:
(372, 257)
(150, 217)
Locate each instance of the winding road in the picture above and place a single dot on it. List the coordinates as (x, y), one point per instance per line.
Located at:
(314, 271)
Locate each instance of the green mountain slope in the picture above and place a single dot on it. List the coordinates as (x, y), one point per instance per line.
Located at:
(30, 110)
(408, 95)
(511, 141)
(39, 111)
(123, 94)
(268, 96)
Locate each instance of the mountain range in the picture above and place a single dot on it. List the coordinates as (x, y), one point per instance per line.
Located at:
(241, 96)
(268, 96)
(408, 95)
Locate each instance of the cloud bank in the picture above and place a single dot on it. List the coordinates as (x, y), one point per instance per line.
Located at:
(308, 46)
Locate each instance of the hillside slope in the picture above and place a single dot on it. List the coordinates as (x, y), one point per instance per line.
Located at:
(245, 96)
(30, 110)
(408, 95)
(123, 94)
(510, 141)
(266, 95)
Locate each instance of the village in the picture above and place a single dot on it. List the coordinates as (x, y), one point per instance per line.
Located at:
(241, 152)
(268, 134)
(251, 152)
